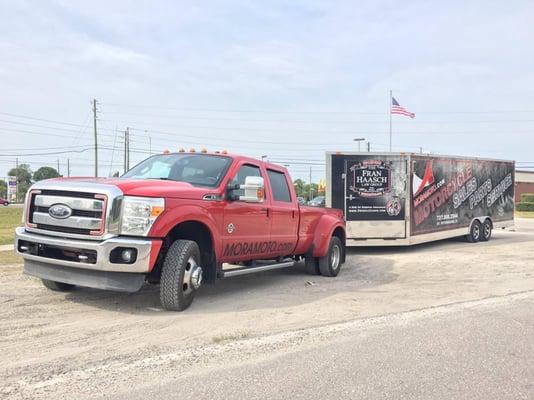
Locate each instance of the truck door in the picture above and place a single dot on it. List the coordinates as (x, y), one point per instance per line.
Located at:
(246, 227)
(283, 212)
(375, 196)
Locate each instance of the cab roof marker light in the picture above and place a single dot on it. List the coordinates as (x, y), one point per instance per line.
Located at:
(166, 151)
(192, 150)
(204, 150)
(182, 150)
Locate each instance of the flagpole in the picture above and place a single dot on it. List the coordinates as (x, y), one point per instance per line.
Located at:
(390, 119)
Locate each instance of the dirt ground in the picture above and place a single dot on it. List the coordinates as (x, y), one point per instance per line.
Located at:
(88, 341)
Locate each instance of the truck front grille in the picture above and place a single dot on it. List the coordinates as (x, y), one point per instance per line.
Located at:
(85, 212)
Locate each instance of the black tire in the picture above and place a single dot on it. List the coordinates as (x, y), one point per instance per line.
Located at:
(330, 264)
(311, 265)
(58, 286)
(475, 232)
(6, 204)
(487, 228)
(177, 293)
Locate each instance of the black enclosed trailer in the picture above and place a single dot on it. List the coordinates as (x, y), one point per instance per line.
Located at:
(407, 198)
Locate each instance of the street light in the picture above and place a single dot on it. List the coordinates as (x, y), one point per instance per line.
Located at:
(359, 140)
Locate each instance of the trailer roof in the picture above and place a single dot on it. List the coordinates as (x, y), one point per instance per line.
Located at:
(434, 155)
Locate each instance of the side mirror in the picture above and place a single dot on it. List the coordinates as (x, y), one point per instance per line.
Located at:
(254, 190)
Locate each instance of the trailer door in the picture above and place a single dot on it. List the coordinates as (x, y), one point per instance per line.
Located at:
(375, 191)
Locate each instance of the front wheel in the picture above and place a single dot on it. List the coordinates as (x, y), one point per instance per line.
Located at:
(330, 264)
(181, 275)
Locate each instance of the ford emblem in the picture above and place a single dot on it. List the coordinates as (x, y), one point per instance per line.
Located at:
(60, 211)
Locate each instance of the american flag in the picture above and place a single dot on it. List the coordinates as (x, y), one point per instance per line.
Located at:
(396, 108)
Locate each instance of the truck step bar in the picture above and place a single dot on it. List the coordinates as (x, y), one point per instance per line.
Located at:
(260, 268)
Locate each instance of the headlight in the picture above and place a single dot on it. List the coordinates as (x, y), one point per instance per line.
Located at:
(139, 214)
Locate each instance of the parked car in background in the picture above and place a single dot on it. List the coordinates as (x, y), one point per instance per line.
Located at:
(4, 202)
(301, 201)
(318, 201)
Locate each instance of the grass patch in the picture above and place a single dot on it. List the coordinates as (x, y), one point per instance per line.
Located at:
(524, 214)
(10, 218)
(9, 257)
(230, 337)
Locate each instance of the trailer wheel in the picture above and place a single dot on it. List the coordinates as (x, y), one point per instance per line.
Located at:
(475, 233)
(330, 264)
(57, 286)
(487, 228)
(181, 275)
(311, 265)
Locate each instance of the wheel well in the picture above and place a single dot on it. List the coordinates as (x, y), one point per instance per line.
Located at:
(340, 233)
(199, 233)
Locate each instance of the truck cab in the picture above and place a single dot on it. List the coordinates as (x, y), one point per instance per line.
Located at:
(177, 219)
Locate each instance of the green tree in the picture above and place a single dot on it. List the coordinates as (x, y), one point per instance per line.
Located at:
(45, 173)
(299, 187)
(24, 179)
(3, 189)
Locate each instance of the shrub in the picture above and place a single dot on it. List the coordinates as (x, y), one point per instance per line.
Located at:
(527, 198)
(525, 206)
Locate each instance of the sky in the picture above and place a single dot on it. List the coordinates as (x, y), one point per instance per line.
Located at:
(287, 80)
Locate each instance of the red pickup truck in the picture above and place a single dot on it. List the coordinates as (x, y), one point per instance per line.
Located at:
(178, 219)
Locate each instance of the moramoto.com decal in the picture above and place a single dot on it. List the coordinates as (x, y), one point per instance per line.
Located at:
(256, 248)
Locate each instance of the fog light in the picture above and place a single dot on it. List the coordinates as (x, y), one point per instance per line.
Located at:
(127, 255)
(123, 255)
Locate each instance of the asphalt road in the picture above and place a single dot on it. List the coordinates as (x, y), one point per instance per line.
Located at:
(477, 350)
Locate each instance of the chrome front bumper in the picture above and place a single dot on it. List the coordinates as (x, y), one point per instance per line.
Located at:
(102, 249)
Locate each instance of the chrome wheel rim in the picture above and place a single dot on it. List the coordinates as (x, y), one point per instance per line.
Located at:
(487, 230)
(335, 257)
(192, 276)
(476, 232)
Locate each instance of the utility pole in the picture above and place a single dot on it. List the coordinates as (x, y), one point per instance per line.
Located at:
(390, 119)
(58, 166)
(96, 138)
(68, 167)
(368, 147)
(311, 188)
(126, 149)
(149, 143)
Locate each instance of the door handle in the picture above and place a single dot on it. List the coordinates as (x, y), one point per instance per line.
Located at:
(265, 209)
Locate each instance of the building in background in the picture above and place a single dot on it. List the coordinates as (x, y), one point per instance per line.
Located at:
(524, 183)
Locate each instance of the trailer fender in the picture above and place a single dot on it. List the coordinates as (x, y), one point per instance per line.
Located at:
(325, 229)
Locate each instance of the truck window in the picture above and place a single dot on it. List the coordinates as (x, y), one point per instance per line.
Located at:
(279, 186)
(244, 171)
(196, 169)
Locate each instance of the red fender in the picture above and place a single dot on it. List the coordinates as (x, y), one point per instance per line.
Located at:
(323, 232)
(185, 213)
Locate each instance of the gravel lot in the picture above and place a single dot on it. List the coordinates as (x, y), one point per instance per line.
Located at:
(90, 342)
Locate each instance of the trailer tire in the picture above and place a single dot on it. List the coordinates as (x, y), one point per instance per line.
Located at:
(330, 264)
(311, 265)
(57, 286)
(475, 232)
(177, 289)
(487, 228)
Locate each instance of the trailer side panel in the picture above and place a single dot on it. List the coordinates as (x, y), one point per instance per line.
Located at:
(447, 193)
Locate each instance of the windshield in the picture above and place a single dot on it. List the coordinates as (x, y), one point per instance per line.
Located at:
(196, 169)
